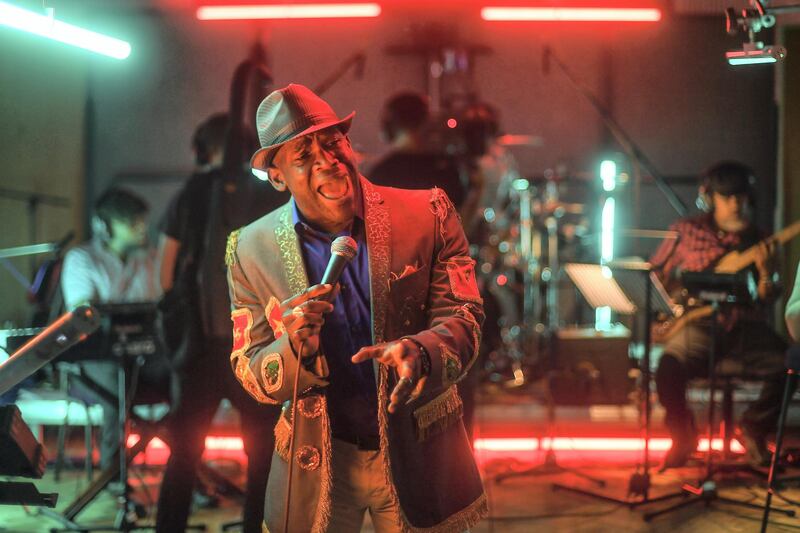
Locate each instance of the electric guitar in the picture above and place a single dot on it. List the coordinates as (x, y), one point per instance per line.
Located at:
(730, 263)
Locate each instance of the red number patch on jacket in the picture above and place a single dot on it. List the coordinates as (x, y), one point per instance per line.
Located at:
(242, 323)
(464, 286)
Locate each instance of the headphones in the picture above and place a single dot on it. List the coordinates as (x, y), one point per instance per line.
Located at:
(704, 200)
(101, 228)
(705, 192)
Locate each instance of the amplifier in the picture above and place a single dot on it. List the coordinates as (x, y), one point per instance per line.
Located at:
(591, 367)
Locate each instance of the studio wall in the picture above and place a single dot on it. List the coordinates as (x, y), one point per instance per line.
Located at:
(667, 85)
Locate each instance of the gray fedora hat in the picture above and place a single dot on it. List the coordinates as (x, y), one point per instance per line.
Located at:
(289, 113)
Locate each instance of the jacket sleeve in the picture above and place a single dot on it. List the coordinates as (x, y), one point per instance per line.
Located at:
(262, 357)
(455, 306)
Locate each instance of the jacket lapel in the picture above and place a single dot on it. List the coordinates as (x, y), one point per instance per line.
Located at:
(379, 237)
(291, 259)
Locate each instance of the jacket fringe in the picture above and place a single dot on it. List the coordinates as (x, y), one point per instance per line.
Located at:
(458, 522)
(383, 423)
(438, 414)
(324, 507)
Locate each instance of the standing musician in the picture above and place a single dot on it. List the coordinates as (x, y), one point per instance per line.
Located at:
(190, 270)
(411, 164)
(115, 266)
(727, 195)
(378, 417)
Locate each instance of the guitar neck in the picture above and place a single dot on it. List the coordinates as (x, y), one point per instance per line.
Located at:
(736, 261)
(788, 233)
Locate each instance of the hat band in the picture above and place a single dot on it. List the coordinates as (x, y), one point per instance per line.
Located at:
(297, 126)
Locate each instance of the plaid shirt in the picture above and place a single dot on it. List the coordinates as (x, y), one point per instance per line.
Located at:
(700, 245)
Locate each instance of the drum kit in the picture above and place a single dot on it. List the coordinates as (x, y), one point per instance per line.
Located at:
(520, 241)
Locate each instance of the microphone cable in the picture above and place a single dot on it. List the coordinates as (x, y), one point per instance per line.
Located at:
(291, 436)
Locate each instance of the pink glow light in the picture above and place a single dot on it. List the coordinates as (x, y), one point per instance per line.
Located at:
(575, 14)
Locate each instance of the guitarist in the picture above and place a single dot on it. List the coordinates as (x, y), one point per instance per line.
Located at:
(727, 195)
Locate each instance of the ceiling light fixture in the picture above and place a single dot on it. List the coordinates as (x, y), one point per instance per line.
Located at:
(288, 11)
(47, 26)
(752, 20)
(565, 14)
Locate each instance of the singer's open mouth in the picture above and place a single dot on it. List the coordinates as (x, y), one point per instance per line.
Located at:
(335, 189)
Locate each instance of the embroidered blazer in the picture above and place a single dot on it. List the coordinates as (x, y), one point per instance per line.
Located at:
(422, 285)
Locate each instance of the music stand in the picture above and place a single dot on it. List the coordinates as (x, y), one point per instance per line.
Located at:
(627, 288)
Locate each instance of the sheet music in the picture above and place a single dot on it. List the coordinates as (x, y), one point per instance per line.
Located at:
(621, 286)
(599, 287)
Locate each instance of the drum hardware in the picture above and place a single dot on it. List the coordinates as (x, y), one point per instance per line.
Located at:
(518, 256)
(533, 242)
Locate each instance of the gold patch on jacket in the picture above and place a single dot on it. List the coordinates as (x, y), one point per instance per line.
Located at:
(308, 457)
(310, 407)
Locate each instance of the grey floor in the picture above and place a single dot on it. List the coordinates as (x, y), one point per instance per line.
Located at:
(518, 505)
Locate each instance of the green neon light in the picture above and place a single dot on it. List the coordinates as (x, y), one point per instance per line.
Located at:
(608, 173)
(750, 60)
(45, 26)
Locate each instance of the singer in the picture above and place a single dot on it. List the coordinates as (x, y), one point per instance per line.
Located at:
(378, 418)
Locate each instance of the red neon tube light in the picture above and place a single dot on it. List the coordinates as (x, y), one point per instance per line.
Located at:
(611, 444)
(577, 14)
(288, 11)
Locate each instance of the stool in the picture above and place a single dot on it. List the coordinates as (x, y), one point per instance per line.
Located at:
(731, 375)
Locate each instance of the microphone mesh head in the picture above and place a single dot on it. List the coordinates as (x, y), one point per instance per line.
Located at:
(344, 246)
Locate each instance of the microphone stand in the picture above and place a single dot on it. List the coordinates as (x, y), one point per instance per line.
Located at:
(356, 61)
(792, 368)
(626, 142)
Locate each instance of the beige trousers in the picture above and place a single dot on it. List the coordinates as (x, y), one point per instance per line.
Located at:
(360, 485)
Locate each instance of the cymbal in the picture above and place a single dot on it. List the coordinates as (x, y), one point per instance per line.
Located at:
(560, 207)
(534, 141)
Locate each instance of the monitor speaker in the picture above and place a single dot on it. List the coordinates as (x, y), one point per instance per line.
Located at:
(591, 367)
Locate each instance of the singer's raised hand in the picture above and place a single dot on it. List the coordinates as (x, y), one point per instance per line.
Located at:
(404, 357)
(302, 315)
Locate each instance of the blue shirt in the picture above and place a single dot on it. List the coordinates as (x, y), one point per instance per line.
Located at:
(352, 393)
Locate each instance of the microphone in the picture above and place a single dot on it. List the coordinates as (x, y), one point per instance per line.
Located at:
(70, 328)
(343, 250)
